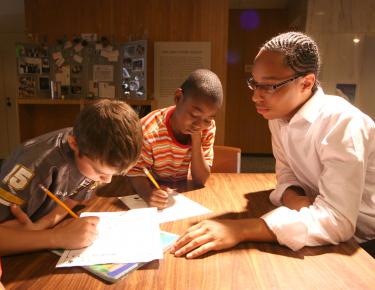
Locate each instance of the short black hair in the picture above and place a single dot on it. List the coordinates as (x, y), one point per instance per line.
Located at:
(110, 132)
(300, 50)
(203, 83)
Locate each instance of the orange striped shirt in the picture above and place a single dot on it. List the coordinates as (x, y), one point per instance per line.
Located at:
(168, 159)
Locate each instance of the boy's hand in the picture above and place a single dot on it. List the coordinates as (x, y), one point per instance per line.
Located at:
(196, 138)
(75, 233)
(158, 198)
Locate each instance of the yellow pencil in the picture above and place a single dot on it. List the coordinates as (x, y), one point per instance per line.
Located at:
(51, 195)
(148, 174)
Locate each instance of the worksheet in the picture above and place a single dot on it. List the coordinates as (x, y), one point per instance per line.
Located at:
(124, 237)
(180, 207)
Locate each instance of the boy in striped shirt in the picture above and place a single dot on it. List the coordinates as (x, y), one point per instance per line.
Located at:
(180, 138)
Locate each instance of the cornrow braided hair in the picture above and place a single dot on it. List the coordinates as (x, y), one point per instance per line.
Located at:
(301, 53)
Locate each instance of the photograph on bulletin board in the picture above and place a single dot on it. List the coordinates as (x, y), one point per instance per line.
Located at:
(134, 70)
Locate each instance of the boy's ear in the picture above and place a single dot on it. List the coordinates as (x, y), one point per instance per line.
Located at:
(178, 95)
(73, 143)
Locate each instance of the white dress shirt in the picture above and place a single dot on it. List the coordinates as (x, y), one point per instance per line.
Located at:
(328, 149)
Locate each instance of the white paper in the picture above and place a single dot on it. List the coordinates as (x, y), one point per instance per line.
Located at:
(174, 61)
(90, 37)
(77, 58)
(124, 237)
(33, 60)
(182, 207)
(110, 55)
(63, 76)
(103, 73)
(106, 90)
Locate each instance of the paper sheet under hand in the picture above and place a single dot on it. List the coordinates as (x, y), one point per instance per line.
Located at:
(183, 207)
(124, 237)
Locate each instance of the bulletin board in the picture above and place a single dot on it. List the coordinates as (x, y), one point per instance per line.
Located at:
(33, 70)
(83, 67)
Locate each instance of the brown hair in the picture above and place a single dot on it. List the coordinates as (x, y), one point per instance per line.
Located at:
(110, 132)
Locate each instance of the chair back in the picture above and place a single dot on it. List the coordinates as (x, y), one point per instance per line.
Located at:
(226, 159)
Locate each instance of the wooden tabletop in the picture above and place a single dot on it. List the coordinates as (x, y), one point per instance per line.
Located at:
(247, 266)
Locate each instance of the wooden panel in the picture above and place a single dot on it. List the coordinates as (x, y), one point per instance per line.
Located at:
(36, 120)
(41, 115)
(245, 128)
(124, 20)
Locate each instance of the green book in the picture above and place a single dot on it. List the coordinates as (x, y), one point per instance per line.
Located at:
(114, 272)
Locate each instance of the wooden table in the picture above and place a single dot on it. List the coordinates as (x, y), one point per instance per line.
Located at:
(247, 266)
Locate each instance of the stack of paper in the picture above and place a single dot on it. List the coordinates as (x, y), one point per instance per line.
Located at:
(124, 237)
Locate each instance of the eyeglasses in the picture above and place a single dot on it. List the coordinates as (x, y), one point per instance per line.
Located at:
(269, 89)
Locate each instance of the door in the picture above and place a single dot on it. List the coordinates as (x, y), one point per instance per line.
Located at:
(248, 30)
(9, 135)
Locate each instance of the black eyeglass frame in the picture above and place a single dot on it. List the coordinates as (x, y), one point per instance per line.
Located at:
(253, 85)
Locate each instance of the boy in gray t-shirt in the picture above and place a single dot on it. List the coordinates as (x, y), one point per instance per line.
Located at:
(105, 140)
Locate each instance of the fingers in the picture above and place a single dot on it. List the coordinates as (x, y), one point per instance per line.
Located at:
(194, 237)
(205, 248)
(159, 199)
(77, 233)
(206, 236)
(197, 246)
(20, 215)
(94, 220)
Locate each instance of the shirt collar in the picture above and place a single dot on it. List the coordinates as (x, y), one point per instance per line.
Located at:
(311, 109)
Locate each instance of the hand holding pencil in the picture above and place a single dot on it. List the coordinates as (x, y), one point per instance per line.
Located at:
(76, 233)
(159, 197)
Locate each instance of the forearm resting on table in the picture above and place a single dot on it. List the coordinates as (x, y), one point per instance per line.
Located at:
(14, 241)
(294, 198)
(254, 229)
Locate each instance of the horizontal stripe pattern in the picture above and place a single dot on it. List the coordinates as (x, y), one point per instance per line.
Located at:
(168, 160)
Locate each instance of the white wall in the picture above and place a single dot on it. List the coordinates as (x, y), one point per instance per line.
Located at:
(334, 24)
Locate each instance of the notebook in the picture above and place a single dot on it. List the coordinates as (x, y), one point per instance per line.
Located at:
(114, 272)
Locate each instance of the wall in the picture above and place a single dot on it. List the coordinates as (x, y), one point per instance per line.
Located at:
(334, 24)
(12, 27)
(123, 20)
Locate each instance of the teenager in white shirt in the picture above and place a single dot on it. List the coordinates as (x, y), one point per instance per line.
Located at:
(325, 159)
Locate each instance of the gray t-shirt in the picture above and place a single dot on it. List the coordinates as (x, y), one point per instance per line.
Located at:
(46, 160)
